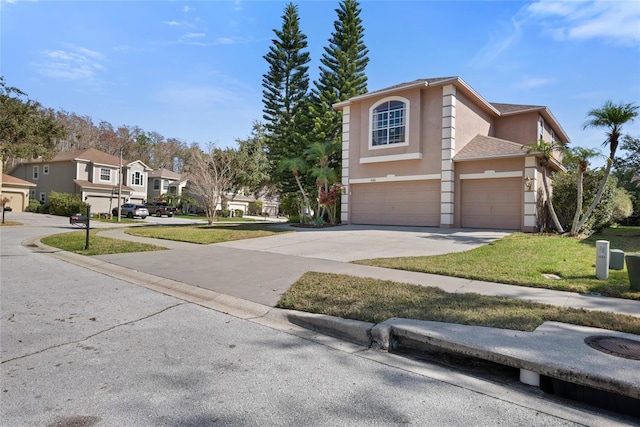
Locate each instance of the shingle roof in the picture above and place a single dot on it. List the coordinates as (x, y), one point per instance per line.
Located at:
(164, 173)
(515, 108)
(8, 179)
(110, 187)
(92, 154)
(413, 83)
(481, 147)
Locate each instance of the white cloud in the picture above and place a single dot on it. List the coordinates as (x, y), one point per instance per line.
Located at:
(617, 21)
(172, 23)
(499, 43)
(72, 63)
(533, 82)
(187, 9)
(194, 35)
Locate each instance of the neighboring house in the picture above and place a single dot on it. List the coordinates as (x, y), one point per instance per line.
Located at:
(433, 152)
(164, 181)
(91, 174)
(17, 191)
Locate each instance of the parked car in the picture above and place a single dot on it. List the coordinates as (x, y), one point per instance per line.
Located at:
(131, 209)
(160, 208)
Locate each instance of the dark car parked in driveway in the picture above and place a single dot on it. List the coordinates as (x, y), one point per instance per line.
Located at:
(131, 210)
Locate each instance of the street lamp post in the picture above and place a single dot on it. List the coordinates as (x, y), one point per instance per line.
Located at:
(120, 185)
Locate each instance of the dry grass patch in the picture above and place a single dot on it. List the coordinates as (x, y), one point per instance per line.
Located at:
(374, 300)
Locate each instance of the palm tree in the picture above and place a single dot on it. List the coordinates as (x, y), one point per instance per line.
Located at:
(581, 157)
(297, 166)
(319, 154)
(546, 150)
(612, 117)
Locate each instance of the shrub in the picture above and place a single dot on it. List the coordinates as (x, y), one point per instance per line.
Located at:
(622, 205)
(65, 204)
(238, 213)
(565, 193)
(33, 206)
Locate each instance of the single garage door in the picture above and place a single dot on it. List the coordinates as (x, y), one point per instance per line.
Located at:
(396, 203)
(492, 203)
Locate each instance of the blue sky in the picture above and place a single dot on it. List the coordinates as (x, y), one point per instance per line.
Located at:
(193, 70)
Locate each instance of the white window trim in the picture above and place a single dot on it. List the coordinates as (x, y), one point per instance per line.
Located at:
(36, 172)
(100, 174)
(133, 180)
(406, 123)
(391, 158)
(43, 197)
(45, 169)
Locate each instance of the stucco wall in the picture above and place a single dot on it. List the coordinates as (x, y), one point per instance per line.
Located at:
(522, 128)
(470, 121)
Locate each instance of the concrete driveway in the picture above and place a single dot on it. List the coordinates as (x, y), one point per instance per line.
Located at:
(354, 242)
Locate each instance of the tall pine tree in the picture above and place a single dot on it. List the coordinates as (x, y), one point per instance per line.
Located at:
(284, 95)
(342, 73)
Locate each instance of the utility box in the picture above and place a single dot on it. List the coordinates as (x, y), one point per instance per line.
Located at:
(616, 259)
(633, 268)
(602, 259)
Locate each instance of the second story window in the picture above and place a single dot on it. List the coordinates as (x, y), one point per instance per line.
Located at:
(165, 184)
(45, 169)
(136, 178)
(389, 123)
(105, 174)
(541, 129)
(156, 184)
(36, 172)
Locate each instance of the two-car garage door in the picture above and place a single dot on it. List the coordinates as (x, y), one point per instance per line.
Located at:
(492, 203)
(396, 203)
(485, 203)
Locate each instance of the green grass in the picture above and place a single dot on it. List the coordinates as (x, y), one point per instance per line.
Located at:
(374, 300)
(75, 242)
(207, 234)
(522, 258)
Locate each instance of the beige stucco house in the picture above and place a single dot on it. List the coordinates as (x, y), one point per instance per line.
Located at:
(17, 191)
(164, 181)
(90, 173)
(433, 152)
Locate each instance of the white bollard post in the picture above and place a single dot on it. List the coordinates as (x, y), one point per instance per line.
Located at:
(602, 259)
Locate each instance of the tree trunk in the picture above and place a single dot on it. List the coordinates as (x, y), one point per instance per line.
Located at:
(304, 197)
(596, 200)
(576, 217)
(552, 211)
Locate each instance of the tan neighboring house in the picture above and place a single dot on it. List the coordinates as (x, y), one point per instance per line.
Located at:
(90, 173)
(433, 152)
(164, 181)
(17, 191)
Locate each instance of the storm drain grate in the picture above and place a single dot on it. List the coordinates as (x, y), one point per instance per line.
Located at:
(621, 347)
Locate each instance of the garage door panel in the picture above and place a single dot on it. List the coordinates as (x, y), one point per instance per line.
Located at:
(397, 203)
(492, 203)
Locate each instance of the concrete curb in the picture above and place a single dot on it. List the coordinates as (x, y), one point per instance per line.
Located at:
(555, 349)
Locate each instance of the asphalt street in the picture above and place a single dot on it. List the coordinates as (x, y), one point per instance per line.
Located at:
(79, 348)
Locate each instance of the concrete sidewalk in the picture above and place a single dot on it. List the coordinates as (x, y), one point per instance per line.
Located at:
(261, 276)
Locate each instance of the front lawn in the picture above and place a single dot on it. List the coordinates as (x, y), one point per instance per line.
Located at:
(374, 300)
(523, 258)
(207, 234)
(75, 242)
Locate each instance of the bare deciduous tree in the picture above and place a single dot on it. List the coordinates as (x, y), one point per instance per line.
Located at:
(212, 177)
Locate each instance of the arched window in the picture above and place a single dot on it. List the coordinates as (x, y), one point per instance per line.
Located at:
(389, 122)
